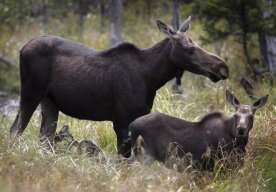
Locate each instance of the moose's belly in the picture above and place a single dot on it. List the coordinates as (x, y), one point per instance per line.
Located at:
(83, 102)
(81, 90)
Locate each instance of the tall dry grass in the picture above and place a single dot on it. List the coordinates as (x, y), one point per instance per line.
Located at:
(25, 166)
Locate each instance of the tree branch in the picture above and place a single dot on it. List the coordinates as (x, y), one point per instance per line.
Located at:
(7, 61)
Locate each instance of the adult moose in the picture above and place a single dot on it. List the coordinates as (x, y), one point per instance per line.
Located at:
(118, 84)
(155, 133)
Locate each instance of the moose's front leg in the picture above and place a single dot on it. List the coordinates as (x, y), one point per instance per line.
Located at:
(123, 139)
(129, 104)
(121, 122)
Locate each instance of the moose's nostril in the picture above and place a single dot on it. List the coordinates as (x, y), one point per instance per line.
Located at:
(241, 131)
(224, 72)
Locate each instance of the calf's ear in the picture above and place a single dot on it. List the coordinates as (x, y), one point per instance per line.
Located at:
(260, 102)
(185, 25)
(232, 99)
(164, 28)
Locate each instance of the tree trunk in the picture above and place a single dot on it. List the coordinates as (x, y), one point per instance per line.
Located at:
(268, 43)
(271, 53)
(116, 9)
(82, 11)
(102, 15)
(45, 15)
(175, 19)
(263, 47)
(247, 55)
(81, 25)
(40, 11)
(244, 37)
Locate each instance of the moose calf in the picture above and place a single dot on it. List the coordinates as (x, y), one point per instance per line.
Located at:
(156, 134)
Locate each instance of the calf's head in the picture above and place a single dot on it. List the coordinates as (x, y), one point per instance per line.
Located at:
(187, 55)
(244, 116)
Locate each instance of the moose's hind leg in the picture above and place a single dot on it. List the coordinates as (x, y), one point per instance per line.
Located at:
(49, 112)
(26, 110)
(34, 77)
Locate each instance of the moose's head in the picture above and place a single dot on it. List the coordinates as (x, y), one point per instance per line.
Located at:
(187, 55)
(244, 116)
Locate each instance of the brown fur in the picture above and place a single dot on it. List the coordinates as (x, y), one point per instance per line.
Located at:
(118, 84)
(212, 137)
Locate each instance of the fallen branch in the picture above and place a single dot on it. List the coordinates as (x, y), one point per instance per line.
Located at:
(7, 61)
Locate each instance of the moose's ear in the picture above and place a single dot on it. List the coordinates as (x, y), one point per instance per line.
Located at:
(185, 25)
(232, 99)
(260, 102)
(164, 28)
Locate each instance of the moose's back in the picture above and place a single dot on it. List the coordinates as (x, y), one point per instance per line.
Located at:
(160, 130)
(72, 75)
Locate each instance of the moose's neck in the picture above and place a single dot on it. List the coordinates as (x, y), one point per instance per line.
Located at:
(159, 69)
